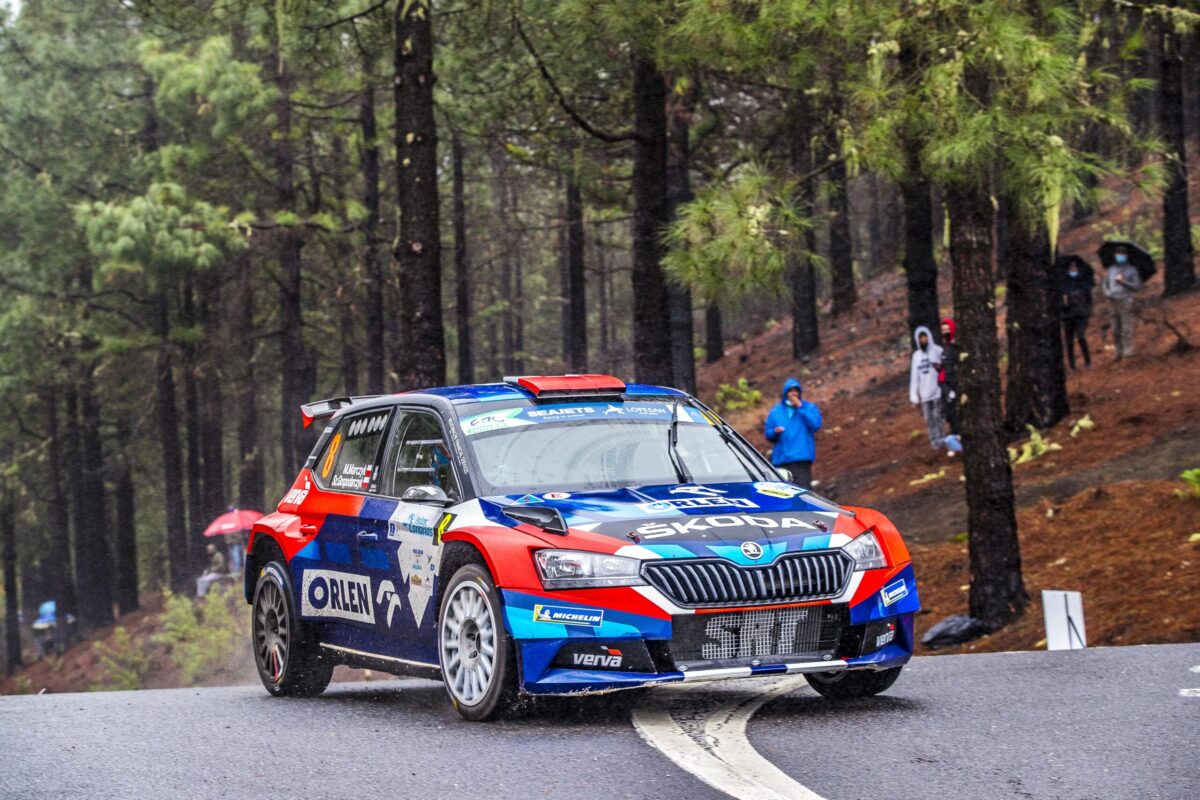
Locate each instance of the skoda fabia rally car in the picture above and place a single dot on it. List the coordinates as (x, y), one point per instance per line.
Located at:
(565, 535)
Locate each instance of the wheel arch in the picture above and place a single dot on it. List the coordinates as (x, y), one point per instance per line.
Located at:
(262, 551)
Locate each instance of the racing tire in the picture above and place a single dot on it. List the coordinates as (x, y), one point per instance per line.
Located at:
(286, 650)
(852, 684)
(477, 655)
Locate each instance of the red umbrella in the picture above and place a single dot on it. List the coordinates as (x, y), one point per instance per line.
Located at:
(233, 521)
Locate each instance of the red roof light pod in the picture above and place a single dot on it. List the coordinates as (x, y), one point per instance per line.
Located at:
(584, 384)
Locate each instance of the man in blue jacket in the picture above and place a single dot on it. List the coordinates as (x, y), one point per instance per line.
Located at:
(790, 427)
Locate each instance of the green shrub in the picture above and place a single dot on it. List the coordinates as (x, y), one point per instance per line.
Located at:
(1191, 477)
(125, 663)
(737, 396)
(202, 635)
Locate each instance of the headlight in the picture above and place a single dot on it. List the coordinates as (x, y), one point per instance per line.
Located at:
(866, 552)
(575, 569)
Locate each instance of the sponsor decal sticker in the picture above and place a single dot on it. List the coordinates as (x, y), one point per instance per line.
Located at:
(702, 491)
(296, 496)
(611, 658)
(493, 421)
(568, 616)
(556, 495)
(387, 589)
(884, 638)
(784, 490)
(440, 529)
(560, 411)
(694, 525)
(365, 426)
(527, 500)
(326, 593)
(662, 506)
(894, 591)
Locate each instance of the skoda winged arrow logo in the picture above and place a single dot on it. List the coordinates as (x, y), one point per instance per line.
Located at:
(752, 550)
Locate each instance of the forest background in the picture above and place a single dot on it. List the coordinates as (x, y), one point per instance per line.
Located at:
(213, 211)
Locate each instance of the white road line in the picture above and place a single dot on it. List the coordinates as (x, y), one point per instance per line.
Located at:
(1189, 692)
(1196, 668)
(712, 745)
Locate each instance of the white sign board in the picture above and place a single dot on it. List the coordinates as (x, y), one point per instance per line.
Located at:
(1064, 620)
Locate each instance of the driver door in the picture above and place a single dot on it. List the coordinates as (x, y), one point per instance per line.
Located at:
(417, 455)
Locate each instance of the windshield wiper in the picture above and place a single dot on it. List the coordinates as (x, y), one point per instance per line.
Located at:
(673, 446)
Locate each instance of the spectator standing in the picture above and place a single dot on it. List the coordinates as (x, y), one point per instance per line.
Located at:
(923, 389)
(215, 572)
(948, 376)
(1121, 281)
(790, 427)
(1076, 288)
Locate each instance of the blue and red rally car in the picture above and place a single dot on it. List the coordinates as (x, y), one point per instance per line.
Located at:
(564, 535)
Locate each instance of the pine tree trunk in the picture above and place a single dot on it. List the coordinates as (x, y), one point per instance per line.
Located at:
(806, 335)
(462, 270)
(191, 432)
(12, 608)
(297, 371)
(577, 339)
(168, 437)
(251, 474)
(1179, 272)
(372, 263)
(679, 296)
(125, 535)
(997, 594)
(58, 562)
(714, 336)
(920, 268)
(841, 246)
(603, 301)
(1037, 382)
(422, 356)
(209, 379)
(94, 566)
(651, 313)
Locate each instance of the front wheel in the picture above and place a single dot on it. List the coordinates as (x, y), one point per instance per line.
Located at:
(852, 684)
(288, 657)
(478, 658)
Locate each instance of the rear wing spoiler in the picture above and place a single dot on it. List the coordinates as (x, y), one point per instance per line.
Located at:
(324, 409)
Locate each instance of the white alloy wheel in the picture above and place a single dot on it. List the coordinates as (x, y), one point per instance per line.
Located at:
(467, 639)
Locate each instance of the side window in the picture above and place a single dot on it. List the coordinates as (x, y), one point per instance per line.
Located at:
(419, 456)
(348, 463)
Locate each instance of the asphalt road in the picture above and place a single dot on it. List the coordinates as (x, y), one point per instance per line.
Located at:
(1102, 723)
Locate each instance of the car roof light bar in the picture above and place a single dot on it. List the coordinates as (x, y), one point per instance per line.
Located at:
(324, 409)
(544, 386)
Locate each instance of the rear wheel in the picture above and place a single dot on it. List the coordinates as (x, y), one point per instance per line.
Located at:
(286, 652)
(478, 657)
(851, 684)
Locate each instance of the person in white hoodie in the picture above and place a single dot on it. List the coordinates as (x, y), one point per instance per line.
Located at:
(923, 388)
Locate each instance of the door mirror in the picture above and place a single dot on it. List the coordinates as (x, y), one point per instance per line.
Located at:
(428, 495)
(548, 519)
(784, 473)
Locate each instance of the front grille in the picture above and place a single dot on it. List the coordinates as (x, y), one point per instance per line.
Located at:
(715, 582)
(808, 633)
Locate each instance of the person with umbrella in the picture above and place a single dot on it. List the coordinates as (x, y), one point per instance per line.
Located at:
(232, 525)
(1075, 285)
(1121, 280)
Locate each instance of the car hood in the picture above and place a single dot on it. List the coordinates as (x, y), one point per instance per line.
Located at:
(685, 521)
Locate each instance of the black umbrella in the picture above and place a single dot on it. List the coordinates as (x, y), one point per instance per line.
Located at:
(1085, 269)
(1138, 257)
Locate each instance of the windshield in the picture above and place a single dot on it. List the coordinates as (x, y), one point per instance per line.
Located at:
(599, 446)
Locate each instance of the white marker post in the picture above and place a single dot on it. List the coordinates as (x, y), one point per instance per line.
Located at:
(1064, 620)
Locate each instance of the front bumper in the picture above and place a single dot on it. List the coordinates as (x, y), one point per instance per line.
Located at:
(569, 649)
